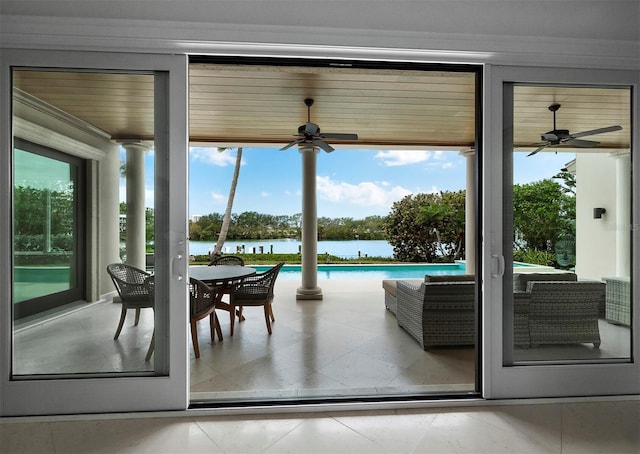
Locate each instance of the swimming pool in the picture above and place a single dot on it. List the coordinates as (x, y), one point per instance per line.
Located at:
(402, 271)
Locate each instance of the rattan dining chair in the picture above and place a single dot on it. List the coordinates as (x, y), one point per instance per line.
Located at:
(130, 284)
(202, 304)
(227, 260)
(256, 290)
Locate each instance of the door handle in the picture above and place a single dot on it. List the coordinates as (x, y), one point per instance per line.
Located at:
(500, 260)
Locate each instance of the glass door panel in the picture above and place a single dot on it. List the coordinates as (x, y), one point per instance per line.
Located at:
(570, 223)
(47, 271)
(50, 299)
(96, 234)
(561, 185)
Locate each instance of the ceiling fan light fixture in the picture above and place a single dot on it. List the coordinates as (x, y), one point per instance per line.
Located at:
(310, 134)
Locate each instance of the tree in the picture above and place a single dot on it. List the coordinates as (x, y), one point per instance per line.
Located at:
(543, 212)
(427, 227)
(226, 220)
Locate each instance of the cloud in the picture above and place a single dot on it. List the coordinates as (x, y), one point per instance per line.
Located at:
(366, 193)
(393, 158)
(214, 157)
(265, 194)
(218, 198)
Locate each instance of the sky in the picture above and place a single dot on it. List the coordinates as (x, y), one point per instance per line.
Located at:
(350, 183)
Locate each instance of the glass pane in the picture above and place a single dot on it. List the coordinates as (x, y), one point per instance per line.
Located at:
(83, 226)
(571, 211)
(44, 210)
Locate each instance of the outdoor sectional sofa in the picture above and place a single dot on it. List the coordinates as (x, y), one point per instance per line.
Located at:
(618, 296)
(549, 308)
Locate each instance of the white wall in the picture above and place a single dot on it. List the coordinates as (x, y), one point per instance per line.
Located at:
(582, 33)
(595, 238)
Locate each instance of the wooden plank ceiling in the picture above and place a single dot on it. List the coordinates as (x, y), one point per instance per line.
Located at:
(245, 105)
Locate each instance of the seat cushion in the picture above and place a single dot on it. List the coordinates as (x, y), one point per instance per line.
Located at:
(450, 278)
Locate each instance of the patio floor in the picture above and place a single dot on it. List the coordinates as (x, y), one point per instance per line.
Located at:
(348, 344)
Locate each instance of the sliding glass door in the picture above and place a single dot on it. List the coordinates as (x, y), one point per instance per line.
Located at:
(49, 229)
(94, 205)
(568, 315)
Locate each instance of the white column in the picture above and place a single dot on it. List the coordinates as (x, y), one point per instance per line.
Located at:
(470, 212)
(309, 289)
(136, 234)
(623, 213)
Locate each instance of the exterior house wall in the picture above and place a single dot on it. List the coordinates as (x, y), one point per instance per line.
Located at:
(595, 238)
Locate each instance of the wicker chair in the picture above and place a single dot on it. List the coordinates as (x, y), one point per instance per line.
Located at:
(564, 312)
(134, 294)
(227, 260)
(437, 314)
(150, 285)
(202, 304)
(256, 290)
(618, 300)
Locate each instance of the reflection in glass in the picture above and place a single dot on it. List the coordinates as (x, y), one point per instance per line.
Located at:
(572, 225)
(71, 182)
(44, 210)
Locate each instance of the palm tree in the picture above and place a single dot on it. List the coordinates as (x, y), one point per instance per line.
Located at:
(226, 220)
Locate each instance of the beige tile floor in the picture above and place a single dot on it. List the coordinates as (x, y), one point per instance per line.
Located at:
(317, 347)
(346, 344)
(578, 427)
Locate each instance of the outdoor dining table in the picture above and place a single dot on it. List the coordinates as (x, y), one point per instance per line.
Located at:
(223, 277)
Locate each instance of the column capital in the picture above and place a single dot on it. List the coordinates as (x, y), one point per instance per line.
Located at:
(306, 148)
(620, 154)
(136, 145)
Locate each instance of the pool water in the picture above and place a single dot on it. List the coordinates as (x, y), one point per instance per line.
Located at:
(370, 271)
(388, 271)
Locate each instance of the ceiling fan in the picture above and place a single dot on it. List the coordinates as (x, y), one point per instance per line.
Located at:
(562, 136)
(310, 133)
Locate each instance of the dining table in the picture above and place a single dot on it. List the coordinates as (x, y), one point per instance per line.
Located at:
(223, 278)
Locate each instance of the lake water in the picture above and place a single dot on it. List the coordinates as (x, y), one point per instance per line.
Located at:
(346, 249)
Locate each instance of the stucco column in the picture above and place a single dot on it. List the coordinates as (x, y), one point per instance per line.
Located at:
(623, 213)
(309, 289)
(136, 234)
(470, 212)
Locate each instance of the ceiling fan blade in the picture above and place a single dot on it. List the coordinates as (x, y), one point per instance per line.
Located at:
(324, 145)
(339, 136)
(538, 149)
(295, 142)
(596, 131)
(581, 143)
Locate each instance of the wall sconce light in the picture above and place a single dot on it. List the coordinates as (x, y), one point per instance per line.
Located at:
(598, 212)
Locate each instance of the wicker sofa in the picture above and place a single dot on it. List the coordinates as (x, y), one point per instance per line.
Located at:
(437, 313)
(548, 309)
(564, 312)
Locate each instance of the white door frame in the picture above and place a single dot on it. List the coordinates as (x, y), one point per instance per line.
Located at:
(119, 393)
(500, 381)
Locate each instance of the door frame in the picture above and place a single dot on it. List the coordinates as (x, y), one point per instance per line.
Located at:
(552, 380)
(168, 389)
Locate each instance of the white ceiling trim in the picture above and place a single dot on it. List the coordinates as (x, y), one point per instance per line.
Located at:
(62, 33)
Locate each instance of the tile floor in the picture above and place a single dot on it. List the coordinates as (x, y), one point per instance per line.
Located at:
(346, 344)
(569, 427)
(317, 347)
